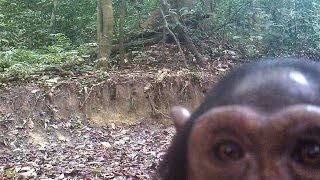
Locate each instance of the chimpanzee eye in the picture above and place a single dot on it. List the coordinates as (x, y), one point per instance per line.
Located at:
(307, 152)
(228, 151)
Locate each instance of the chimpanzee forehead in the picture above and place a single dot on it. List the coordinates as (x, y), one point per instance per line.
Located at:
(276, 87)
(286, 79)
(268, 85)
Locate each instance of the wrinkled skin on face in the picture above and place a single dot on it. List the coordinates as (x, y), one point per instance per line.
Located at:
(261, 121)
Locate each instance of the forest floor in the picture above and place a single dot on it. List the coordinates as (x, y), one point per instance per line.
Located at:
(111, 151)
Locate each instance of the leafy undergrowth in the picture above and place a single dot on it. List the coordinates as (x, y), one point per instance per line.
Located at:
(110, 152)
(66, 62)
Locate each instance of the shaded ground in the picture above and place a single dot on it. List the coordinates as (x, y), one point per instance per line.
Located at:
(111, 152)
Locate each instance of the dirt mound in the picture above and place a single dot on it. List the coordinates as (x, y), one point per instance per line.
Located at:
(117, 97)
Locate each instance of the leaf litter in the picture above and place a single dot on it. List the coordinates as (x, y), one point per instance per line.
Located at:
(110, 152)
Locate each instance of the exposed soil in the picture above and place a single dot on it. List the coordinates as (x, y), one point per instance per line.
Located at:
(98, 125)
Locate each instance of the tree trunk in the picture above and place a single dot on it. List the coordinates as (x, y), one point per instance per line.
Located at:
(105, 25)
(53, 16)
(207, 7)
(121, 32)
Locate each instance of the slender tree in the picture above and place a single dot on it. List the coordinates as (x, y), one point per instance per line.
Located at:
(105, 26)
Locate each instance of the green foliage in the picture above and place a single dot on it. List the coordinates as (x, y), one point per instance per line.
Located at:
(269, 27)
(77, 20)
(137, 11)
(26, 23)
(60, 40)
(10, 173)
(22, 63)
(28, 43)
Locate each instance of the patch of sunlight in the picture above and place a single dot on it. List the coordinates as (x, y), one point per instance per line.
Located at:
(37, 139)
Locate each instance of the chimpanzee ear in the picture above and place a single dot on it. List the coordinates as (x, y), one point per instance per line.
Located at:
(180, 116)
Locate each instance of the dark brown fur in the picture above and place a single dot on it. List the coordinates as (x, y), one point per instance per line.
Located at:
(243, 87)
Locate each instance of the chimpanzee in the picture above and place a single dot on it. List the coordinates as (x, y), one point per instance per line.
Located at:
(261, 121)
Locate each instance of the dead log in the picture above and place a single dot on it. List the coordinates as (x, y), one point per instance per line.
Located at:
(138, 43)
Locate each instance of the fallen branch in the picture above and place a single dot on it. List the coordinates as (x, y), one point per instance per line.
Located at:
(175, 38)
(87, 96)
(179, 28)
